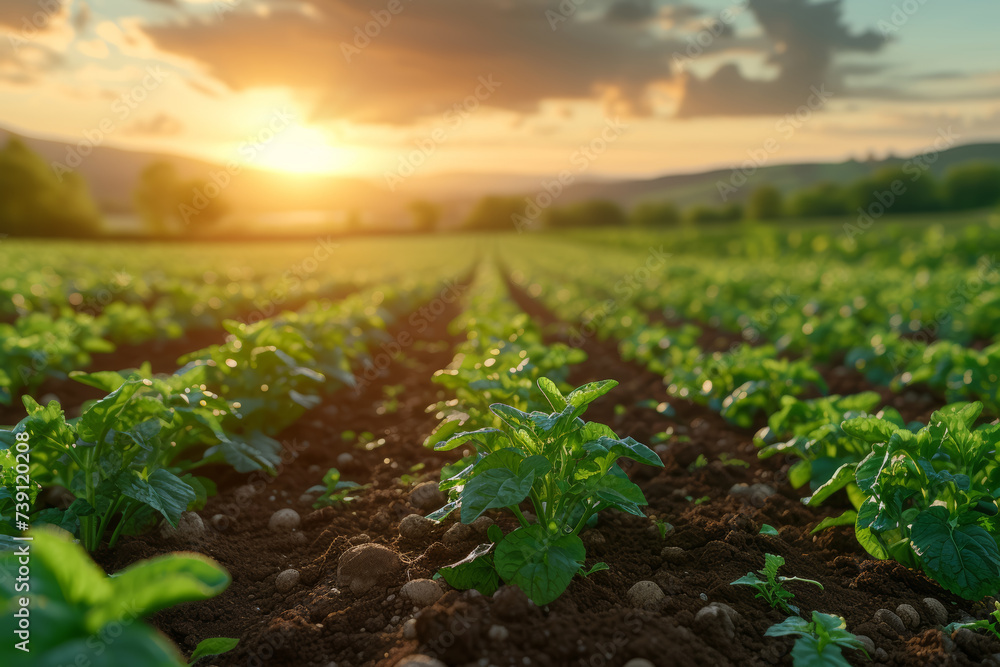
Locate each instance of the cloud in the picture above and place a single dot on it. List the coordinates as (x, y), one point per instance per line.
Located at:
(805, 38)
(28, 15)
(354, 60)
(160, 125)
(426, 58)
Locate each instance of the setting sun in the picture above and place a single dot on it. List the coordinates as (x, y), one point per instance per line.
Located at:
(305, 150)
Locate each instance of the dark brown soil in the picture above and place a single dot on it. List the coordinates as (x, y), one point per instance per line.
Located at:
(715, 541)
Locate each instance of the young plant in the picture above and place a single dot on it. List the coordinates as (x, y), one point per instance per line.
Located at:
(772, 587)
(334, 491)
(79, 615)
(566, 467)
(992, 626)
(930, 497)
(819, 643)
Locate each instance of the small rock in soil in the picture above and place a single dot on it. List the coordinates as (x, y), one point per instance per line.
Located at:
(220, 522)
(890, 619)
(672, 554)
(420, 661)
(756, 493)
(189, 527)
(594, 538)
(715, 618)
(363, 538)
(498, 633)
(881, 655)
(639, 662)
(909, 616)
(421, 592)
(286, 581)
(482, 524)
(867, 641)
(307, 499)
(298, 538)
(457, 534)
(284, 521)
(936, 611)
(410, 629)
(363, 566)
(427, 496)
(415, 527)
(345, 459)
(645, 595)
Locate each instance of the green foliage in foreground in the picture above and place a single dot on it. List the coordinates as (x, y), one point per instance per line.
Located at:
(78, 615)
(820, 642)
(565, 466)
(929, 498)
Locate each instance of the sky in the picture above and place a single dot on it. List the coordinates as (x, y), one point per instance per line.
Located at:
(616, 88)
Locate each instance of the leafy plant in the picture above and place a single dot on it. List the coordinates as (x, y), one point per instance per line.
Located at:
(772, 586)
(566, 467)
(131, 454)
(334, 491)
(930, 497)
(992, 626)
(820, 642)
(79, 615)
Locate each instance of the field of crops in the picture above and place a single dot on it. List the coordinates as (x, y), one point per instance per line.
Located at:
(746, 445)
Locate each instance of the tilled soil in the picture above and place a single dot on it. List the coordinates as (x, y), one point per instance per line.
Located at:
(321, 621)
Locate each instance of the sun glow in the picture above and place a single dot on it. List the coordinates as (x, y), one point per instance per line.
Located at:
(305, 150)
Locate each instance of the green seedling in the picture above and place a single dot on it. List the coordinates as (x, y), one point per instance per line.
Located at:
(334, 491)
(820, 642)
(992, 626)
(565, 467)
(772, 586)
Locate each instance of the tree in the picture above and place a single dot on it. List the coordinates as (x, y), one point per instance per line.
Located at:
(169, 204)
(656, 214)
(766, 203)
(495, 212)
(594, 213)
(35, 201)
(897, 190)
(972, 186)
(818, 201)
(426, 215)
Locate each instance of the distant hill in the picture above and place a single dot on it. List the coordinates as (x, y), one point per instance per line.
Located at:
(112, 174)
(702, 188)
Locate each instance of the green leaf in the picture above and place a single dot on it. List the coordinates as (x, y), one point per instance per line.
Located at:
(552, 394)
(766, 529)
(846, 519)
(588, 393)
(103, 415)
(869, 429)
(106, 381)
(213, 646)
(964, 559)
(474, 571)
(845, 475)
(539, 563)
(164, 491)
(486, 439)
(149, 586)
(497, 487)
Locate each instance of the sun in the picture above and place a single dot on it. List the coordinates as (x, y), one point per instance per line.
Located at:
(305, 150)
